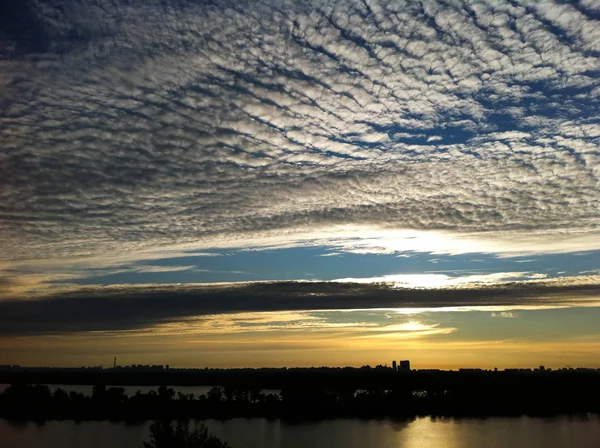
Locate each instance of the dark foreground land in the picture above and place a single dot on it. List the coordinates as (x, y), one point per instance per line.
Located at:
(305, 393)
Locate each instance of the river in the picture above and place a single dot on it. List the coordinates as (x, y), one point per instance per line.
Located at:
(423, 432)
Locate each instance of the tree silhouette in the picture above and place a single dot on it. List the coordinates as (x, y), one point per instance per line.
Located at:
(165, 435)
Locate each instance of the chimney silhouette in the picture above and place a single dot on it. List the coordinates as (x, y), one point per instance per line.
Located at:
(115, 363)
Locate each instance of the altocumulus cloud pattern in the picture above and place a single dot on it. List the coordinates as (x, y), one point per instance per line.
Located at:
(128, 122)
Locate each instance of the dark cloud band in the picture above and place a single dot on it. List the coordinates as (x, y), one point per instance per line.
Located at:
(125, 308)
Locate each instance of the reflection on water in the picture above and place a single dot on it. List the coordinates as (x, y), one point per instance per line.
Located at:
(425, 432)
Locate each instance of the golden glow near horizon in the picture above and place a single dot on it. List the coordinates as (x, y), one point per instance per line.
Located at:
(441, 339)
(553, 331)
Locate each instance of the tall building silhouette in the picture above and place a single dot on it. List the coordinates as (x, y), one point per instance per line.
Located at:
(394, 366)
(404, 366)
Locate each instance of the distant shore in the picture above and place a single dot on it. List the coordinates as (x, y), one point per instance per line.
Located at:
(365, 377)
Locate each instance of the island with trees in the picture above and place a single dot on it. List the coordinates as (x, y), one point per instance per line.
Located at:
(300, 393)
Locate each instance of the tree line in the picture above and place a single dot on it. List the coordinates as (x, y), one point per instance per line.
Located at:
(468, 398)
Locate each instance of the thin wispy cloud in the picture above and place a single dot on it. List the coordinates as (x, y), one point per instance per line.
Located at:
(431, 280)
(506, 314)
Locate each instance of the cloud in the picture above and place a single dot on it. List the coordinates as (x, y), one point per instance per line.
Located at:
(135, 126)
(432, 281)
(335, 323)
(131, 307)
(506, 314)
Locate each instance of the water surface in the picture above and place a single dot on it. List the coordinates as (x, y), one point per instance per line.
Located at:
(424, 432)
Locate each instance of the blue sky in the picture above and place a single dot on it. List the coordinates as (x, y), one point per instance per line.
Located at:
(153, 147)
(317, 263)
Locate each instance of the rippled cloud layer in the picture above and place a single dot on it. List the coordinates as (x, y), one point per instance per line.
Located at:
(145, 124)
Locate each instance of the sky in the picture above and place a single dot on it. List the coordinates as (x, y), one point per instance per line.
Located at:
(280, 183)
